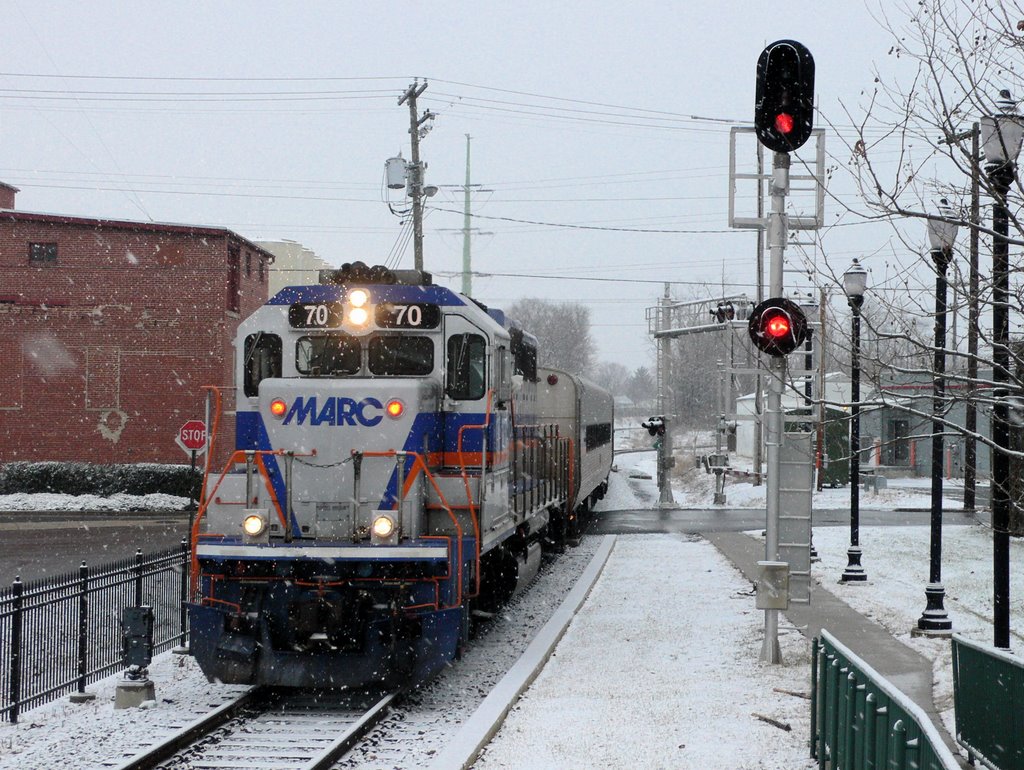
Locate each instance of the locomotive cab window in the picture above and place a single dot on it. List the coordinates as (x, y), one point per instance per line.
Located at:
(467, 361)
(327, 355)
(262, 360)
(401, 356)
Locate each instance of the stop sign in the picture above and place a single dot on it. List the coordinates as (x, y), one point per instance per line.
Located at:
(192, 436)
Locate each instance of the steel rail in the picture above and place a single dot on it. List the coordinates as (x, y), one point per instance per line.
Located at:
(352, 736)
(193, 732)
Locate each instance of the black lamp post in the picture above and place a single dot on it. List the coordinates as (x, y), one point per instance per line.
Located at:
(855, 282)
(1001, 139)
(934, 621)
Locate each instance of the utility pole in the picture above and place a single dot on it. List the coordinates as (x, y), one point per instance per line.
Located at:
(416, 130)
(467, 273)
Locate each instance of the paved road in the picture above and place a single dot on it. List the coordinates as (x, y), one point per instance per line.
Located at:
(741, 519)
(43, 545)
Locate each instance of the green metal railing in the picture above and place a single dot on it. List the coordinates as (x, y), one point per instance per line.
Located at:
(988, 692)
(860, 721)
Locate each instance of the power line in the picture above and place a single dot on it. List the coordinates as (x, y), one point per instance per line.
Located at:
(588, 227)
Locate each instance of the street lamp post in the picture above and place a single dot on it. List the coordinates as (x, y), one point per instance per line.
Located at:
(1001, 138)
(934, 621)
(855, 282)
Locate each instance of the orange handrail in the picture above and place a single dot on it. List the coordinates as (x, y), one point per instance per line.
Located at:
(474, 514)
(236, 456)
(218, 401)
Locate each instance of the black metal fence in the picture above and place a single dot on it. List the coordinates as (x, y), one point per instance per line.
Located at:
(59, 634)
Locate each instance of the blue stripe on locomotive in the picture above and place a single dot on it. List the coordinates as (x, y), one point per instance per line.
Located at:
(437, 295)
(429, 429)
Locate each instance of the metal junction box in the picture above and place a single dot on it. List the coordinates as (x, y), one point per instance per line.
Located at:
(772, 585)
(137, 636)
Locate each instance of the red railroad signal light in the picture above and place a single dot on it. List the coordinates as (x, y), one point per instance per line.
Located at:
(784, 101)
(777, 326)
(784, 123)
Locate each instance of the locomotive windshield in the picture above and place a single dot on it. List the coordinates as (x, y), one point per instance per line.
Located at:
(327, 355)
(401, 356)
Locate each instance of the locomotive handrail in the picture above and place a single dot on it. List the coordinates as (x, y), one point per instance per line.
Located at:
(211, 436)
(205, 500)
(473, 513)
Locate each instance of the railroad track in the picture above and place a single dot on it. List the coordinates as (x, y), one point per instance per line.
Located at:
(266, 730)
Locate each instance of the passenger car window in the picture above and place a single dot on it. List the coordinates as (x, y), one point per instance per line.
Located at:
(401, 356)
(467, 361)
(262, 360)
(327, 355)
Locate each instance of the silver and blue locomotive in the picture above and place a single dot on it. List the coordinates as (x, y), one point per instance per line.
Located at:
(400, 461)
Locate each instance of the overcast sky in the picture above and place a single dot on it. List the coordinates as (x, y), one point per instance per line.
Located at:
(275, 119)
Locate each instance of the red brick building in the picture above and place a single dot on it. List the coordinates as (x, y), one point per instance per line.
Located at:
(109, 329)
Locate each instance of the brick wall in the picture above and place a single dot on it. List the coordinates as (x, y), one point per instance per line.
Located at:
(104, 351)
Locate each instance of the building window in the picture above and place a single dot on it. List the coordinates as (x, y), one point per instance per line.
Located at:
(234, 280)
(262, 265)
(42, 253)
(248, 264)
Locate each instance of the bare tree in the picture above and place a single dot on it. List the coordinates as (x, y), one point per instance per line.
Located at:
(612, 376)
(562, 330)
(951, 62)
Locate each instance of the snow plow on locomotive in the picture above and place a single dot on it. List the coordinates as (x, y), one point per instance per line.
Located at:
(398, 463)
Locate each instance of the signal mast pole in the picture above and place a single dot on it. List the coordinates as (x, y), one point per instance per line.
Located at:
(770, 650)
(665, 401)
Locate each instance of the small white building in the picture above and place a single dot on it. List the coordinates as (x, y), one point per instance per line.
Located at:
(837, 397)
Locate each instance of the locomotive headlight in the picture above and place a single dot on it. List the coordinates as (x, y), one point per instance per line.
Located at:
(278, 407)
(254, 524)
(383, 526)
(358, 316)
(395, 408)
(384, 530)
(358, 297)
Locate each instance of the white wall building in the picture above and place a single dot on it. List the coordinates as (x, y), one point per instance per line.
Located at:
(837, 391)
(294, 265)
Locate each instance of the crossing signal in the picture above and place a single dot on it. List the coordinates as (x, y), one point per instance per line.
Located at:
(777, 326)
(724, 312)
(655, 425)
(784, 101)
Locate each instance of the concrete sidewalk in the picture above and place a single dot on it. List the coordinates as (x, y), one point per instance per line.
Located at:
(905, 668)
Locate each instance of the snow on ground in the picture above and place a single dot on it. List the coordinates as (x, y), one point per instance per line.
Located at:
(694, 488)
(665, 697)
(118, 502)
(80, 736)
(660, 670)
